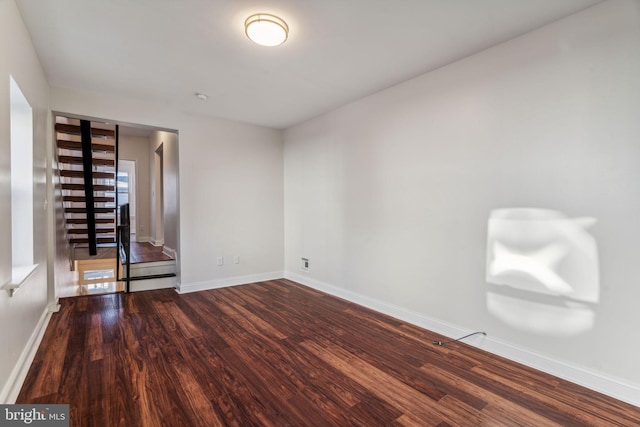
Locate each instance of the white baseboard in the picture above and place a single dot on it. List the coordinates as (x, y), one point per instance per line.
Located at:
(142, 239)
(170, 252)
(228, 281)
(156, 242)
(19, 373)
(600, 382)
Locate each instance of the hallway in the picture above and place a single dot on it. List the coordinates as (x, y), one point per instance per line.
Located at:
(146, 252)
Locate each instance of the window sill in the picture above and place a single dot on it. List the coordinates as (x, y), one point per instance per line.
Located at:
(18, 277)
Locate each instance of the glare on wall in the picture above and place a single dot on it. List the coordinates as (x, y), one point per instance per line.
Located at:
(542, 271)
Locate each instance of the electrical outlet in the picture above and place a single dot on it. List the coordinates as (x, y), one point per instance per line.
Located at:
(220, 261)
(304, 264)
(236, 259)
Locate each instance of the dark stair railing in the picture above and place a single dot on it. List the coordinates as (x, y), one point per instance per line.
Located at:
(124, 247)
(87, 165)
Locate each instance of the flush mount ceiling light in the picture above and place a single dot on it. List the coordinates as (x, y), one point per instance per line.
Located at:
(266, 30)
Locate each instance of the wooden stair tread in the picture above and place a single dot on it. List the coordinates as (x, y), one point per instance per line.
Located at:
(96, 210)
(85, 231)
(81, 199)
(86, 240)
(80, 174)
(77, 146)
(75, 130)
(77, 160)
(80, 187)
(84, 220)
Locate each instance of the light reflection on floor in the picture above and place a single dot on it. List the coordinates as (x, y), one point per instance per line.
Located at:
(75, 289)
(101, 288)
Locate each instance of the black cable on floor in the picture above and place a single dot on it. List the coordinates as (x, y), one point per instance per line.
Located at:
(461, 338)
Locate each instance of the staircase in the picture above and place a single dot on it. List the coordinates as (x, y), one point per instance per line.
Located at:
(88, 198)
(87, 159)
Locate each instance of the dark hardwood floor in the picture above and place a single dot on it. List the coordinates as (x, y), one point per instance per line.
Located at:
(146, 252)
(276, 354)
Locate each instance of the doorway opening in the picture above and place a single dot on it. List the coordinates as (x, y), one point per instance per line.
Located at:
(126, 188)
(140, 158)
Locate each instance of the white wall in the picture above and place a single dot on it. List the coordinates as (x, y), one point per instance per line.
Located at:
(60, 250)
(156, 162)
(167, 229)
(23, 315)
(171, 176)
(232, 182)
(230, 189)
(389, 197)
(137, 148)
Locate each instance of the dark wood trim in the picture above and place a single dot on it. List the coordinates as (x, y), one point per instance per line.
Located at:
(277, 353)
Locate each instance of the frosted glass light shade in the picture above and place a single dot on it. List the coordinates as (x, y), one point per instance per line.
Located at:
(266, 30)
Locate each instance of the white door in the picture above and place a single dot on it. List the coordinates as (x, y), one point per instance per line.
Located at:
(127, 190)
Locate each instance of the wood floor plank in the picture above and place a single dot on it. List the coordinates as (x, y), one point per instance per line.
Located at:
(558, 400)
(502, 406)
(94, 341)
(250, 321)
(276, 353)
(51, 368)
(385, 386)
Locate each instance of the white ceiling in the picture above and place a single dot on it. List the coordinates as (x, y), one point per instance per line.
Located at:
(338, 50)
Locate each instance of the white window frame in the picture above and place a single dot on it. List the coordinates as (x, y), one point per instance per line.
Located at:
(22, 243)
